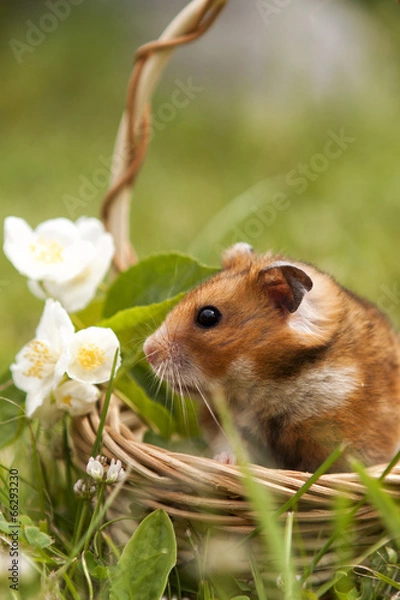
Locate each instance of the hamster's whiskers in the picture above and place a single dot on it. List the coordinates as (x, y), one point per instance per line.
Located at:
(210, 410)
(182, 399)
(160, 372)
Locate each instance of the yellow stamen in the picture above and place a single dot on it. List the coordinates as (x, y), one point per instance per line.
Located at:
(39, 355)
(67, 399)
(47, 251)
(90, 357)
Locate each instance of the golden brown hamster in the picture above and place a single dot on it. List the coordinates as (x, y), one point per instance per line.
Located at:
(304, 363)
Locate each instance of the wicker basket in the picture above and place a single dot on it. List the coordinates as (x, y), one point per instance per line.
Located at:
(201, 494)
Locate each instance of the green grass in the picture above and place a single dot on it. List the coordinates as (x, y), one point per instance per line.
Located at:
(61, 109)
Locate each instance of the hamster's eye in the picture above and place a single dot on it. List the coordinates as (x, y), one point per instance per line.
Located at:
(208, 316)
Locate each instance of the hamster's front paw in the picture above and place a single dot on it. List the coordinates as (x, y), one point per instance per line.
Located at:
(225, 458)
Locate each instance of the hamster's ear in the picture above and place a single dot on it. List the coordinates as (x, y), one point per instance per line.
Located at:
(237, 256)
(286, 285)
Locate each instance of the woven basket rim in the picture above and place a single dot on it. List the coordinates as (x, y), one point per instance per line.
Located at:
(159, 467)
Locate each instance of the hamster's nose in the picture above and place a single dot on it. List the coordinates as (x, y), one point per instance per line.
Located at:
(153, 351)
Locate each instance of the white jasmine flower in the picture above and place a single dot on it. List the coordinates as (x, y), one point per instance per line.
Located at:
(48, 412)
(86, 356)
(90, 355)
(76, 398)
(76, 292)
(95, 469)
(37, 369)
(115, 472)
(54, 251)
(63, 260)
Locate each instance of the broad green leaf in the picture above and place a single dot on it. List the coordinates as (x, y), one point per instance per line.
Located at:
(133, 325)
(36, 538)
(154, 279)
(153, 413)
(12, 415)
(146, 561)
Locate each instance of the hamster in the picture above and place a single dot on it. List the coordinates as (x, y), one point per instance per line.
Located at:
(305, 364)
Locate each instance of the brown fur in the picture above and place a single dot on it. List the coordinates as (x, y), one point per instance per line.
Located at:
(303, 368)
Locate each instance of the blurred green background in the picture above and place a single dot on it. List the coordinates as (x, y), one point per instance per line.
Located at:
(270, 86)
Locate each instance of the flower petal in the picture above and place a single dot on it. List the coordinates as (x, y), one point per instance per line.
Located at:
(33, 369)
(91, 355)
(90, 229)
(38, 407)
(55, 326)
(95, 469)
(36, 289)
(75, 259)
(55, 250)
(15, 229)
(17, 234)
(37, 367)
(63, 229)
(115, 472)
(76, 293)
(76, 398)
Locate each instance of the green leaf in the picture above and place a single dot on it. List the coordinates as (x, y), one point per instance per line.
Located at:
(345, 590)
(36, 538)
(154, 279)
(146, 561)
(95, 567)
(133, 325)
(12, 415)
(153, 413)
(5, 525)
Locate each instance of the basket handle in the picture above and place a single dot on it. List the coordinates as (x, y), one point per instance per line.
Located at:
(133, 134)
